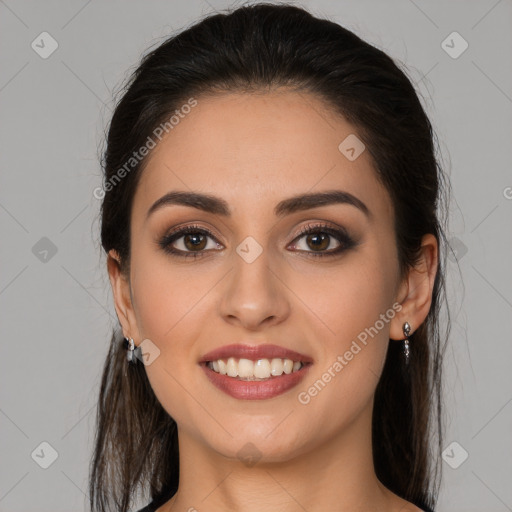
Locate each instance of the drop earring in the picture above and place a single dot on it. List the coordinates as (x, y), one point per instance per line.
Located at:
(131, 347)
(407, 331)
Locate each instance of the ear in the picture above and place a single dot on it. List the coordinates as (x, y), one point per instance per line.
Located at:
(415, 292)
(122, 296)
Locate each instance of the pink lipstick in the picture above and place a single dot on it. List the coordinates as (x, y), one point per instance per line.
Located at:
(260, 389)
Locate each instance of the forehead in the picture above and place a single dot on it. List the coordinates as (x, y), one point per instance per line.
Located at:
(255, 149)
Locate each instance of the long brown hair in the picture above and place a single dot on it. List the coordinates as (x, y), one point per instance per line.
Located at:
(256, 48)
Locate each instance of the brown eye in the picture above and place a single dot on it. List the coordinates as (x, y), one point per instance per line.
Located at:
(191, 241)
(318, 241)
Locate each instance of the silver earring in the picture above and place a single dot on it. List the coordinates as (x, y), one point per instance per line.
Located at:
(407, 331)
(131, 347)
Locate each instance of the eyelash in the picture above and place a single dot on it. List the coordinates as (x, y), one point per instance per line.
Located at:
(340, 235)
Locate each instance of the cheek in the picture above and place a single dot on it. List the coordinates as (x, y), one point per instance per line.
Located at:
(345, 298)
(169, 301)
(166, 295)
(353, 310)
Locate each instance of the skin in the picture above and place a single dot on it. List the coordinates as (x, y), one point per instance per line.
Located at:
(254, 150)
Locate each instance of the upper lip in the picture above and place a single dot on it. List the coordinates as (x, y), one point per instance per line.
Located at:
(254, 352)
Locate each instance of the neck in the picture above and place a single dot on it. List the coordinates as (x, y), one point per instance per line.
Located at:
(337, 474)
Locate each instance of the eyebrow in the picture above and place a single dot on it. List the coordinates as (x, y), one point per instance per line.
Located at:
(218, 206)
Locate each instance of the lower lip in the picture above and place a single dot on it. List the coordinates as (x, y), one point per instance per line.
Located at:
(255, 390)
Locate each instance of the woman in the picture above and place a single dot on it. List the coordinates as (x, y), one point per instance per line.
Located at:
(276, 260)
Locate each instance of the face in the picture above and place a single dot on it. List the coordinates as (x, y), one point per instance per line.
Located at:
(322, 281)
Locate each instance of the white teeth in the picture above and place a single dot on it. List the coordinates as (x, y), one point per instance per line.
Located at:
(246, 369)
(232, 367)
(288, 366)
(276, 367)
(262, 369)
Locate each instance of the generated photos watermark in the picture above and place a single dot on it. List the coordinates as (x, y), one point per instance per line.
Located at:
(341, 361)
(137, 156)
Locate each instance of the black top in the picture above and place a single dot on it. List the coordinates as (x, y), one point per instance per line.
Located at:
(152, 508)
(148, 508)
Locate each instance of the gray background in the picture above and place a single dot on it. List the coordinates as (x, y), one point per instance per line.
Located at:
(57, 310)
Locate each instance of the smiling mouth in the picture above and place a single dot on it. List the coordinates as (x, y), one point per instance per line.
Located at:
(257, 370)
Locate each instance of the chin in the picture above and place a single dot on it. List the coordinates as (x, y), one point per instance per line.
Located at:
(253, 444)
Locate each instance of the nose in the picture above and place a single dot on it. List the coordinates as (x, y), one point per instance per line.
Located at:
(255, 296)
